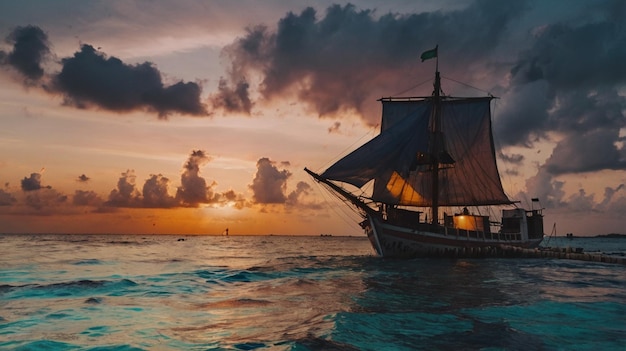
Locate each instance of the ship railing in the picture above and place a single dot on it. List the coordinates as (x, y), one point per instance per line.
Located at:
(460, 233)
(476, 234)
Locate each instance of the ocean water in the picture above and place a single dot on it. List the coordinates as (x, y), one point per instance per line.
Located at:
(112, 292)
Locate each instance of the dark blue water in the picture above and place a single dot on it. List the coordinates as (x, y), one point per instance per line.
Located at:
(80, 292)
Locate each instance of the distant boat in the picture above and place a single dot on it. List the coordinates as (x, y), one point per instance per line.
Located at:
(432, 152)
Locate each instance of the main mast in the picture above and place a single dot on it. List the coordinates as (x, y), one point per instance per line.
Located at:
(437, 139)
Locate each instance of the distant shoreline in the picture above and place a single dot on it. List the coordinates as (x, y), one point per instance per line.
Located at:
(611, 236)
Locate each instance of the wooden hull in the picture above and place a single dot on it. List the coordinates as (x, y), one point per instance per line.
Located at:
(391, 240)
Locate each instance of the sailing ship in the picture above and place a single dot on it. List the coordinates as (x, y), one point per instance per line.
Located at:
(434, 155)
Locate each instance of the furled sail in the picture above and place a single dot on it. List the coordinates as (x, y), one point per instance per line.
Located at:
(398, 158)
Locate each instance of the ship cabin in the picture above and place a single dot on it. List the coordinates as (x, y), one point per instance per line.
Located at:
(517, 224)
(518, 221)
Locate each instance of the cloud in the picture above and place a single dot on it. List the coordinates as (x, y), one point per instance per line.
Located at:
(237, 200)
(613, 203)
(523, 116)
(32, 183)
(125, 195)
(546, 188)
(296, 197)
(515, 159)
(6, 199)
(570, 82)
(232, 99)
(609, 194)
(194, 189)
(83, 178)
(35, 196)
(30, 50)
(567, 82)
(86, 198)
(192, 192)
(586, 152)
(45, 199)
(91, 79)
(348, 58)
(269, 184)
(155, 192)
(574, 55)
(581, 202)
(334, 128)
(343, 59)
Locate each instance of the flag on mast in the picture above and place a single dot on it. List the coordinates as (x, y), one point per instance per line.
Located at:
(428, 54)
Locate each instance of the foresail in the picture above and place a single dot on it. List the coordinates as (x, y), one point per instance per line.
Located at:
(385, 152)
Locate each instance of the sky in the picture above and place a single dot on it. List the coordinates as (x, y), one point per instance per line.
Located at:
(190, 117)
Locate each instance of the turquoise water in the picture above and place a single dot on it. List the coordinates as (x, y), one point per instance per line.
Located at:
(110, 292)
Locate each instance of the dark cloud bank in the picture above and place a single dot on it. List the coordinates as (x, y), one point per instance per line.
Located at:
(30, 49)
(347, 58)
(91, 79)
(568, 82)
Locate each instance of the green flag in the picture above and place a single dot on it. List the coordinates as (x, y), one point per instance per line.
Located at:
(428, 54)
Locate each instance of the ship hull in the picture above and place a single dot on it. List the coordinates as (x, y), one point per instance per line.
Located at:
(389, 240)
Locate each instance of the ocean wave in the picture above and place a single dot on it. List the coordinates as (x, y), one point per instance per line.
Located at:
(235, 303)
(230, 276)
(37, 345)
(94, 300)
(57, 345)
(90, 261)
(69, 289)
